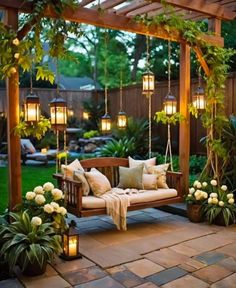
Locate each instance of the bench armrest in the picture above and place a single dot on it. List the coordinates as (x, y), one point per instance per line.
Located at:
(174, 180)
(73, 193)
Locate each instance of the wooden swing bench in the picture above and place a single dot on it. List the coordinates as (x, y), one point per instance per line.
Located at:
(83, 206)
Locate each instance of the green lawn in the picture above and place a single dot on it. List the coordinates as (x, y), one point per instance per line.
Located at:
(31, 176)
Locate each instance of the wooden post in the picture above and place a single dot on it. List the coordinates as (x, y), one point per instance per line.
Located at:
(214, 25)
(184, 98)
(13, 111)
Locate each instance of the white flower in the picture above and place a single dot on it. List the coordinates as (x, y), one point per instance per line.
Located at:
(48, 186)
(199, 185)
(213, 182)
(189, 195)
(224, 187)
(54, 205)
(48, 208)
(195, 183)
(57, 194)
(16, 42)
(191, 190)
(215, 201)
(204, 184)
(197, 193)
(231, 201)
(40, 199)
(17, 55)
(36, 221)
(221, 203)
(38, 190)
(62, 211)
(30, 195)
(230, 195)
(209, 200)
(204, 195)
(213, 195)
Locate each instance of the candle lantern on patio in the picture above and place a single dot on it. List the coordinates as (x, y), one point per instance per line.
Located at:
(58, 112)
(106, 123)
(32, 108)
(70, 241)
(199, 100)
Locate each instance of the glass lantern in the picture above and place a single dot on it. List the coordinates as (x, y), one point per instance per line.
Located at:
(170, 104)
(85, 115)
(32, 108)
(198, 99)
(121, 120)
(106, 123)
(148, 83)
(58, 112)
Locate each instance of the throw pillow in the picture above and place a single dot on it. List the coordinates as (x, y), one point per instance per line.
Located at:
(68, 170)
(149, 162)
(160, 171)
(149, 182)
(98, 182)
(79, 176)
(131, 177)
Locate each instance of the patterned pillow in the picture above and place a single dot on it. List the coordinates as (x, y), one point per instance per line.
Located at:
(160, 172)
(131, 177)
(149, 182)
(79, 176)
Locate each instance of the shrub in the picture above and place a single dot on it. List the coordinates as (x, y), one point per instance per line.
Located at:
(90, 134)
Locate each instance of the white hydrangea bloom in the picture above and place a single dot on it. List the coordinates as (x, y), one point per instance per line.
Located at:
(197, 193)
(30, 195)
(195, 183)
(48, 208)
(62, 211)
(214, 195)
(199, 185)
(223, 187)
(209, 200)
(204, 184)
(39, 190)
(215, 201)
(48, 186)
(221, 203)
(231, 201)
(40, 199)
(191, 190)
(230, 195)
(16, 42)
(204, 195)
(57, 194)
(55, 205)
(213, 182)
(36, 221)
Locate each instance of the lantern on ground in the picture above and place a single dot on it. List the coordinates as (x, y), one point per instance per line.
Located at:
(32, 108)
(70, 242)
(170, 104)
(121, 120)
(148, 83)
(58, 112)
(106, 123)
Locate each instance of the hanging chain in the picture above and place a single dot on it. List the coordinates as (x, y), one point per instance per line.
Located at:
(105, 70)
(58, 77)
(199, 76)
(121, 90)
(169, 65)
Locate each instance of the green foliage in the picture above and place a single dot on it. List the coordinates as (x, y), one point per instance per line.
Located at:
(165, 119)
(37, 130)
(90, 134)
(196, 163)
(25, 244)
(49, 141)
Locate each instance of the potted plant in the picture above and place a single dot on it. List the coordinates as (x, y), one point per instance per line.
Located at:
(29, 243)
(220, 208)
(195, 201)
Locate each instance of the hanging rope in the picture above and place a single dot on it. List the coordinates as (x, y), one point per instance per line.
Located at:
(149, 103)
(105, 70)
(168, 146)
(57, 154)
(121, 90)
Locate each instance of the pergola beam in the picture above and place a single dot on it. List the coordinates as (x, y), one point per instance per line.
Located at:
(212, 9)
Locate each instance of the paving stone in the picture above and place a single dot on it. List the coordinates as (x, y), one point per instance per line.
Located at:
(52, 282)
(192, 265)
(229, 250)
(147, 285)
(84, 275)
(166, 276)
(212, 273)
(10, 283)
(185, 250)
(228, 282)
(127, 278)
(210, 258)
(115, 269)
(167, 257)
(187, 281)
(144, 267)
(106, 282)
(228, 263)
(63, 266)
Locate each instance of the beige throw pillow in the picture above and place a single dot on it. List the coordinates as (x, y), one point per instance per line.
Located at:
(79, 176)
(149, 162)
(149, 182)
(160, 172)
(98, 182)
(68, 170)
(131, 177)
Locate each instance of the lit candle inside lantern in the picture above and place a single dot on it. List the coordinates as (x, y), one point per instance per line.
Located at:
(85, 115)
(169, 109)
(73, 246)
(44, 150)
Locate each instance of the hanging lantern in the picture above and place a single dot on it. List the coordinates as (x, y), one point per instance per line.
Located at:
(85, 115)
(198, 98)
(106, 123)
(148, 83)
(70, 242)
(32, 108)
(121, 120)
(170, 104)
(58, 112)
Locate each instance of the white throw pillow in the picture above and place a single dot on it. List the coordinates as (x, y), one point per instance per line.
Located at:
(149, 162)
(68, 170)
(149, 182)
(79, 176)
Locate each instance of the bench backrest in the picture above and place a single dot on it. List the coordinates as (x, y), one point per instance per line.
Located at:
(108, 166)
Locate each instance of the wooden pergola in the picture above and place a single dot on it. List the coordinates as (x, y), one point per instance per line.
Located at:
(119, 14)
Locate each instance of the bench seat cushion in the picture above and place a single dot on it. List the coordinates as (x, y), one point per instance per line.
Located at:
(92, 202)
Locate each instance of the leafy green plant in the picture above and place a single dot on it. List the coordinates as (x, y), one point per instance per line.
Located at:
(196, 163)
(165, 119)
(27, 241)
(118, 148)
(49, 141)
(90, 134)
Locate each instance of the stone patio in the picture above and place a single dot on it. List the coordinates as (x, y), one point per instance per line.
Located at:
(158, 250)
